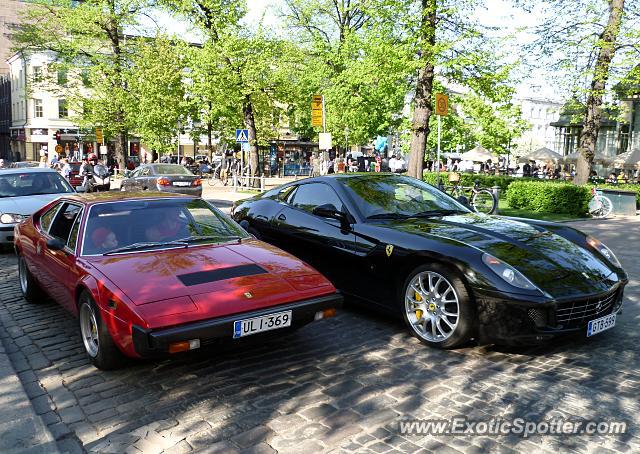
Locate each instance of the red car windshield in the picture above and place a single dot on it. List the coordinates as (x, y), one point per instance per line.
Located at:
(146, 224)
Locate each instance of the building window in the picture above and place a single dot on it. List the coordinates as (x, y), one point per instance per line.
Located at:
(37, 74)
(62, 77)
(63, 111)
(20, 79)
(37, 108)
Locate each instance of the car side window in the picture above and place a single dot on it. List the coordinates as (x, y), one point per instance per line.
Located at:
(145, 172)
(73, 236)
(309, 196)
(63, 222)
(284, 194)
(47, 217)
(136, 173)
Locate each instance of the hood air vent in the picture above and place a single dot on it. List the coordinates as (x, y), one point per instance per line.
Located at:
(202, 277)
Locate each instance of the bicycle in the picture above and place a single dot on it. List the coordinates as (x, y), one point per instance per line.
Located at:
(600, 206)
(482, 200)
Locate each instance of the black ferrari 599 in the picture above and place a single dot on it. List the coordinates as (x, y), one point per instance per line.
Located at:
(404, 246)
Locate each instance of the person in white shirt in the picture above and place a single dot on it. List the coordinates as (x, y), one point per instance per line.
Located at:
(393, 164)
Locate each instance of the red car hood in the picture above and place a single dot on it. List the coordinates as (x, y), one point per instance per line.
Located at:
(202, 282)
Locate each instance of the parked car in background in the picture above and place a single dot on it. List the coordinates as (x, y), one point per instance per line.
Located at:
(24, 164)
(402, 245)
(162, 177)
(23, 191)
(157, 274)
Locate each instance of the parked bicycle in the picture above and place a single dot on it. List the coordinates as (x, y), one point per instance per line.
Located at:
(481, 200)
(600, 206)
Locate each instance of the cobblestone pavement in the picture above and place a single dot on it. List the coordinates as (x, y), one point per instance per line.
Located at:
(336, 385)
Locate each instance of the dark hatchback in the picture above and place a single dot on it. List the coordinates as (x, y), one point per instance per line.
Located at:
(403, 246)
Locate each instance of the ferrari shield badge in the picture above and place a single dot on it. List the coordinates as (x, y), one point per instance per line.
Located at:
(389, 250)
(248, 295)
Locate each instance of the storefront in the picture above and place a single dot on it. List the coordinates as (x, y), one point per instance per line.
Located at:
(290, 158)
(18, 145)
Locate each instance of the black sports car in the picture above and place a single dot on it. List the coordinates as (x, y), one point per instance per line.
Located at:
(402, 245)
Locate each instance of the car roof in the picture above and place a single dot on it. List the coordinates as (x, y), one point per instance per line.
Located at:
(28, 170)
(102, 197)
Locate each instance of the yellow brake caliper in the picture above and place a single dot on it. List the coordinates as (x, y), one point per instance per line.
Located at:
(418, 311)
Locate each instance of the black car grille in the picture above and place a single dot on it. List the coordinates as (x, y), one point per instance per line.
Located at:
(573, 314)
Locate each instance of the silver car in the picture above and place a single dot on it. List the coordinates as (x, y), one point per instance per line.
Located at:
(162, 177)
(25, 190)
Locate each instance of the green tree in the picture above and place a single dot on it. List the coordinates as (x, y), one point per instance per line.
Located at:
(156, 87)
(87, 36)
(590, 45)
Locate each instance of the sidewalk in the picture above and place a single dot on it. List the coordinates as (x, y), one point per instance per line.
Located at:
(21, 429)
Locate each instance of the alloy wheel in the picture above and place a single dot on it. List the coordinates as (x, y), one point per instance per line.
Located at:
(89, 330)
(432, 306)
(22, 273)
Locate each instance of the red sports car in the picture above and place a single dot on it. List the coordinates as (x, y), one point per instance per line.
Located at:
(160, 273)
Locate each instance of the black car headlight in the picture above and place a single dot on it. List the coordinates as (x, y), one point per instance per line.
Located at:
(12, 218)
(508, 273)
(604, 250)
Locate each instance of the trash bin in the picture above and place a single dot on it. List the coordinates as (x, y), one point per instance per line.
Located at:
(624, 202)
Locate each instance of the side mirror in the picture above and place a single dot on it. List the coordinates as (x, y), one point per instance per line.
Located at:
(464, 200)
(245, 225)
(55, 244)
(329, 211)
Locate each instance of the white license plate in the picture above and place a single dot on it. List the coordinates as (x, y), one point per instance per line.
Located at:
(601, 324)
(181, 183)
(255, 325)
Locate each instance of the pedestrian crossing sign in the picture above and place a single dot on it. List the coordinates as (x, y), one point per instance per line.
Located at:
(242, 135)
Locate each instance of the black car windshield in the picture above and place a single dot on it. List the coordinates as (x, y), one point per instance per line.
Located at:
(150, 224)
(17, 184)
(397, 196)
(171, 169)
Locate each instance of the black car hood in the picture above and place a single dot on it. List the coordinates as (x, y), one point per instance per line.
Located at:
(555, 264)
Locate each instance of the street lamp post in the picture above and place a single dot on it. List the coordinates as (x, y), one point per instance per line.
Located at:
(179, 125)
(346, 140)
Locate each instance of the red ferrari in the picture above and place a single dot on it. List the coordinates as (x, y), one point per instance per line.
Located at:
(158, 273)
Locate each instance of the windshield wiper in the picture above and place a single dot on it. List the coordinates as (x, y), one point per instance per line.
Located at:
(388, 216)
(145, 245)
(197, 238)
(438, 212)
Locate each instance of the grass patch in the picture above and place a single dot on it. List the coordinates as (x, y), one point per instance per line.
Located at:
(505, 210)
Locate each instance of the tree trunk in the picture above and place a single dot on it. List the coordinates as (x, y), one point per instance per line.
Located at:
(209, 146)
(250, 124)
(424, 90)
(606, 50)
(121, 147)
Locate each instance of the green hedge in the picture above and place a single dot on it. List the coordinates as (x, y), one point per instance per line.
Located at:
(542, 197)
(468, 179)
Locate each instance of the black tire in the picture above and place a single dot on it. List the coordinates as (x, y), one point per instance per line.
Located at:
(29, 287)
(102, 351)
(484, 201)
(466, 320)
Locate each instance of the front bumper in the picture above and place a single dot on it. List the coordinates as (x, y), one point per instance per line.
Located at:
(520, 322)
(148, 342)
(6, 234)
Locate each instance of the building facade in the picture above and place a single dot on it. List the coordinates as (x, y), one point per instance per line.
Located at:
(540, 112)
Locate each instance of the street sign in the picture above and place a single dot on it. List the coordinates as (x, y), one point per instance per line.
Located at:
(99, 135)
(317, 116)
(442, 104)
(242, 135)
(324, 140)
(58, 148)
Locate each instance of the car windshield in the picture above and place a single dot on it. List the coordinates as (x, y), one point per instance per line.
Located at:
(32, 183)
(397, 196)
(114, 227)
(171, 169)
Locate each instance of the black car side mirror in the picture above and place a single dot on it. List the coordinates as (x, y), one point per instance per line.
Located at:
(328, 210)
(55, 244)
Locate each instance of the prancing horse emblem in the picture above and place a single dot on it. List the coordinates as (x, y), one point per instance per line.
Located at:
(248, 295)
(389, 250)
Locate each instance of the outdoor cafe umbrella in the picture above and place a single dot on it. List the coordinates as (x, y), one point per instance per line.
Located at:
(542, 154)
(628, 159)
(478, 154)
(573, 157)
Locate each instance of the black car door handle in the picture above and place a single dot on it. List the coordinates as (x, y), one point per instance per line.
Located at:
(282, 217)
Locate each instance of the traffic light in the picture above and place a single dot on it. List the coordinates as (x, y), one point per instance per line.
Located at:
(56, 136)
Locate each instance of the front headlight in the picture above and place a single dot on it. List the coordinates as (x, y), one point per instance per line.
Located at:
(604, 250)
(508, 273)
(11, 218)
